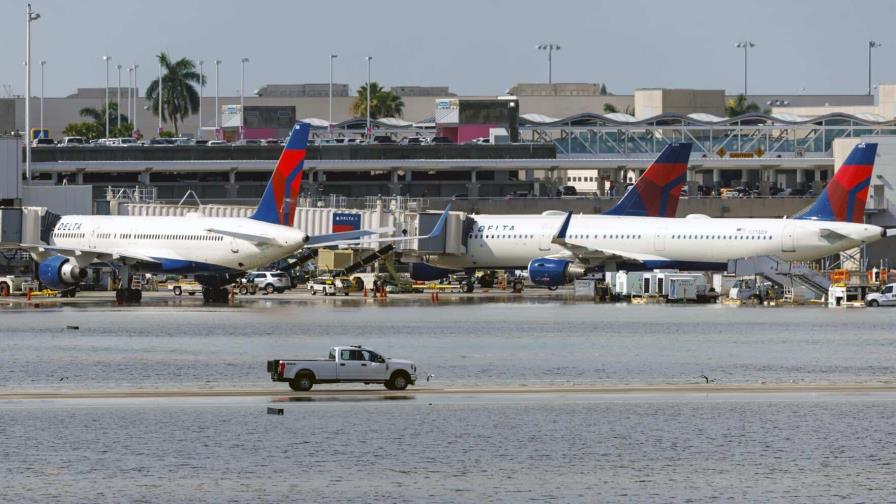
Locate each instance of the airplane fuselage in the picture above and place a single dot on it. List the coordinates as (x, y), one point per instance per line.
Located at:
(191, 244)
(695, 242)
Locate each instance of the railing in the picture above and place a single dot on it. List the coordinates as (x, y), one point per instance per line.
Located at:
(135, 194)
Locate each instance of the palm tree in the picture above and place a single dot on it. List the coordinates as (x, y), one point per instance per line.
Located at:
(98, 115)
(609, 108)
(738, 106)
(382, 103)
(180, 96)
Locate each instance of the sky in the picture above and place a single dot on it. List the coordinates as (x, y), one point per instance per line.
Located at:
(474, 47)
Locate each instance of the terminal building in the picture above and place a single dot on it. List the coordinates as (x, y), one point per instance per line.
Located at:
(561, 135)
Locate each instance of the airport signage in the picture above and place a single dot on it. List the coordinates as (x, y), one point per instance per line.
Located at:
(343, 221)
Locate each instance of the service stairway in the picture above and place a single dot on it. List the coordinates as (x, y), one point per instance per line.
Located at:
(797, 279)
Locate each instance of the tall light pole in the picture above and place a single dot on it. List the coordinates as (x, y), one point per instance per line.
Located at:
(330, 126)
(159, 132)
(106, 59)
(201, 85)
(131, 95)
(369, 131)
(42, 65)
(30, 16)
(871, 45)
(136, 95)
(550, 47)
(118, 103)
(217, 108)
(745, 45)
(243, 62)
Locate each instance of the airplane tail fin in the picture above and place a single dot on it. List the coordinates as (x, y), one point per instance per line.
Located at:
(656, 192)
(278, 203)
(844, 197)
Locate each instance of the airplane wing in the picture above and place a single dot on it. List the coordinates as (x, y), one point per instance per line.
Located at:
(88, 255)
(588, 255)
(345, 238)
(254, 238)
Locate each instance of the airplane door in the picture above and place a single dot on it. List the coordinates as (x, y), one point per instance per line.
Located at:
(234, 246)
(659, 241)
(787, 239)
(92, 243)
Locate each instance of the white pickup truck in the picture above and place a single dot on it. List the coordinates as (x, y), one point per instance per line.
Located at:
(345, 364)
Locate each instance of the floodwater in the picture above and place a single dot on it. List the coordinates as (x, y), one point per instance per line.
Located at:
(793, 447)
(173, 346)
(486, 449)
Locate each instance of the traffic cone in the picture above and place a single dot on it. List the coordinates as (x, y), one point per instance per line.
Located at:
(28, 295)
(365, 291)
(232, 294)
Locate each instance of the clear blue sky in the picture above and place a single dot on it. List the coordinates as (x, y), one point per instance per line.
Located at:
(475, 47)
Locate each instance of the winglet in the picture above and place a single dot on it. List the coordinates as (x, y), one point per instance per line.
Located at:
(561, 233)
(440, 225)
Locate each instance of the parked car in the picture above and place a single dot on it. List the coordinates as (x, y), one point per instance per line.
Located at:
(248, 141)
(215, 143)
(121, 142)
(383, 139)
(75, 141)
(43, 142)
(411, 141)
(886, 297)
(440, 140)
(270, 281)
(344, 364)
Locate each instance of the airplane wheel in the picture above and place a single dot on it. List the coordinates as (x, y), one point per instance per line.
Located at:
(553, 288)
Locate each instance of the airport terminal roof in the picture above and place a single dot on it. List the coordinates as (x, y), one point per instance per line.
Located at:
(702, 119)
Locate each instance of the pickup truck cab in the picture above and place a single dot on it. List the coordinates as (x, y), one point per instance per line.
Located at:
(344, 364)
(886, 297)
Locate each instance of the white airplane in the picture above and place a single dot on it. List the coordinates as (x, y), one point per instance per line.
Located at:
(216, 251)
(557, 247)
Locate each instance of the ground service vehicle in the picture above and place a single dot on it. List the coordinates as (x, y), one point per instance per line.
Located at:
(344, 364)
(886, 297)
(328, 286)
(270, 281)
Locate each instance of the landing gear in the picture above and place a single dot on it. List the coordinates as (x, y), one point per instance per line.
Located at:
(215, 295)
(128, 296)
(68, 293)
(467, 287)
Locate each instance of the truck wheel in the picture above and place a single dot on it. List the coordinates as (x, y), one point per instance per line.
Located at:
(269, 288)
(313, 292)
(517, 287)
(178, 291)
(301, 383)
(399, 381)
(244, 290)
(873, 303)
(468, 287)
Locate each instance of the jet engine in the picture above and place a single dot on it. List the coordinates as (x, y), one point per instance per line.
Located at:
(60, 272)
(554, 272)
(425, 273)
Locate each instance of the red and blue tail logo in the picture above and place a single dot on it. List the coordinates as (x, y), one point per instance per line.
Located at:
(278, 203)
(656, 193)
(844, 197)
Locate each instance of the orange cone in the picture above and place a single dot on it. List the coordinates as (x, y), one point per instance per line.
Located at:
(28, 295)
